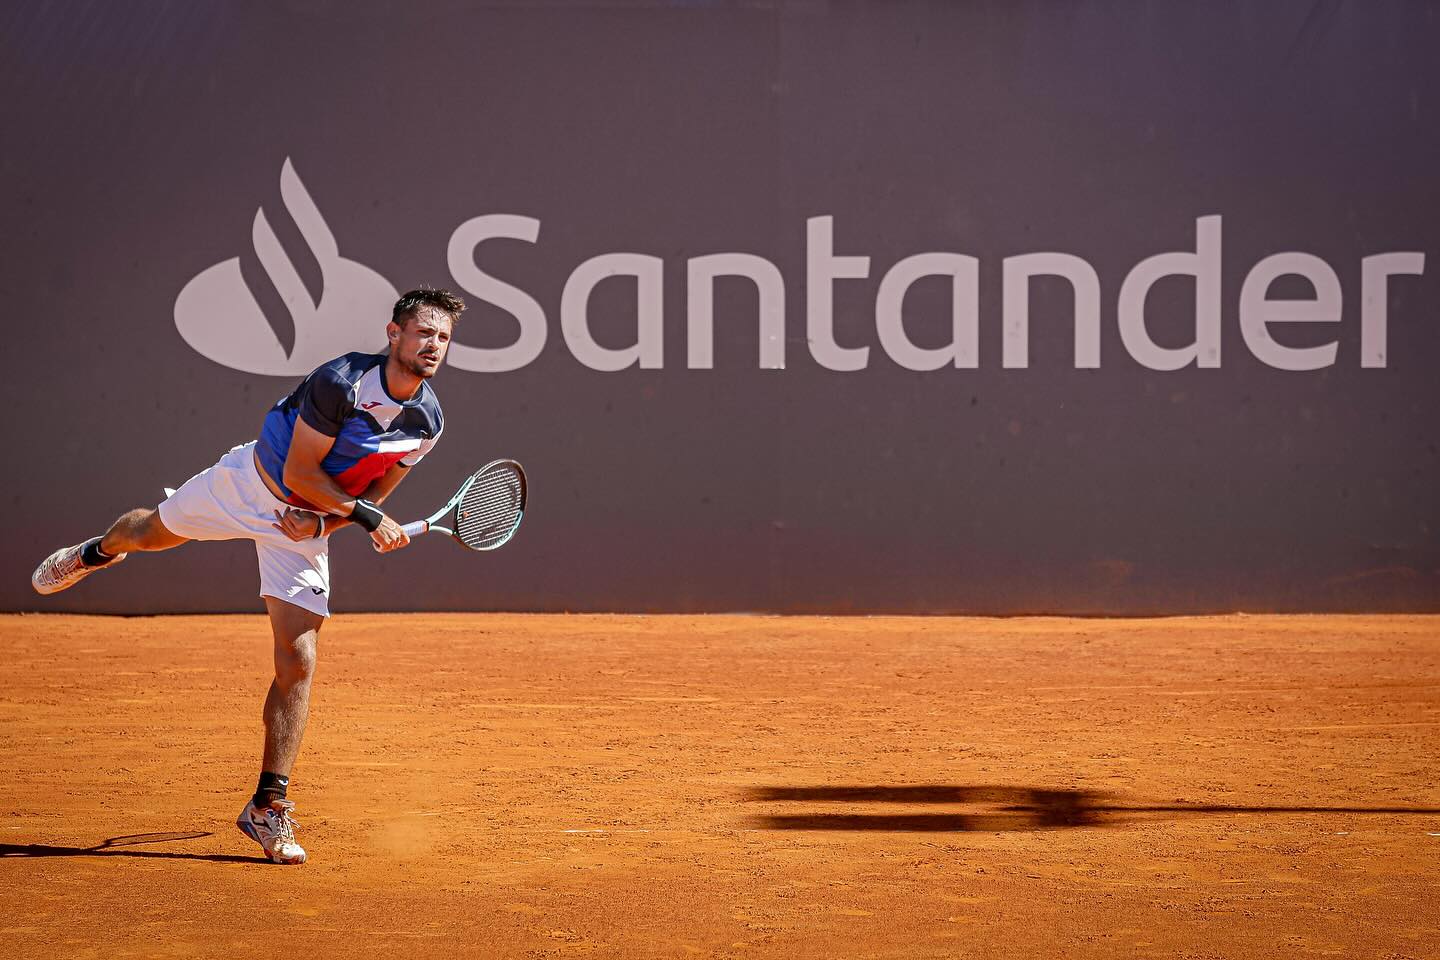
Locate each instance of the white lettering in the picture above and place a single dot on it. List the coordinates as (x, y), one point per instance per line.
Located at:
(1256, 310)
(1375, 300)
(649, 288)
(822, 268)
(964, 348)
(1016, 298)
(1204, 266)
(700, 306)
(533, 329)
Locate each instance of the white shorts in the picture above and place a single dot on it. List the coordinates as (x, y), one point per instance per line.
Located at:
(229, 501)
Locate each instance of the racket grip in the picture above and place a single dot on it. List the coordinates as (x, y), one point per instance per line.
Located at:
(416, 528)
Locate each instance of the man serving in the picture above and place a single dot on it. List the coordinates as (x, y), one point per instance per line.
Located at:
(329, 454)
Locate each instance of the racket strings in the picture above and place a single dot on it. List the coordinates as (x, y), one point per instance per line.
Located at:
(489, 511)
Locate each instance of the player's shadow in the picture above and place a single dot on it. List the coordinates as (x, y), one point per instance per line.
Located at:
(999, 808)
(119, 847)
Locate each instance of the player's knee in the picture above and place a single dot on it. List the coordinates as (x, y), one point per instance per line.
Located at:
(127, 533)
(141, 524)
(133, 521)
(152, 532)
(295, 662)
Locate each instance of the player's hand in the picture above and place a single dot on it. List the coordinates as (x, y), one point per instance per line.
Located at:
(389, 536)
(297, 524)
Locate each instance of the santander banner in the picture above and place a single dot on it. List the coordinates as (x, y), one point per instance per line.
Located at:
(219, 317)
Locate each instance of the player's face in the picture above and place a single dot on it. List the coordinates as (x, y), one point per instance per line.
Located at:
(419, 346)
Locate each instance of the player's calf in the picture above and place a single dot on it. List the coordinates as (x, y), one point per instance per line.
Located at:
(138, 530)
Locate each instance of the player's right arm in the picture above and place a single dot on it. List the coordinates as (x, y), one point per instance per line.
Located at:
(304, 475)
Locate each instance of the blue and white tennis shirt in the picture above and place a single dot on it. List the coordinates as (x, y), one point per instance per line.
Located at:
(347, 399)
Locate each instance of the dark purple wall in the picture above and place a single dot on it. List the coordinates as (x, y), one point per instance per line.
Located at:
(142, 139)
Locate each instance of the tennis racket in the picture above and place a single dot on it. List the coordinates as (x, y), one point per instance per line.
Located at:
(485, 512)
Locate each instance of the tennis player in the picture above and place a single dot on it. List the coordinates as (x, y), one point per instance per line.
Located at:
(328, 456)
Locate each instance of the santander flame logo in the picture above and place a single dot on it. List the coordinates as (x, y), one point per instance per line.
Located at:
(218, 315)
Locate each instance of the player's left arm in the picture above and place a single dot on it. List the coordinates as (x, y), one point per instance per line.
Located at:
(303, 524)
(376, 493)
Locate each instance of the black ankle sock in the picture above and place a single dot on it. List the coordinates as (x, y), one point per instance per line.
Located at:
(272, 787)
(93, 556)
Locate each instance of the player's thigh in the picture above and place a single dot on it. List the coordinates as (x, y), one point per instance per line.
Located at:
(218, 503)
(296, 575)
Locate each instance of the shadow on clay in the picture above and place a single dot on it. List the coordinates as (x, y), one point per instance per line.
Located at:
(116, 847)
(1000, 809)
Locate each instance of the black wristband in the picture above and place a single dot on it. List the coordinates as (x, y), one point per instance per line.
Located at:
(367, 515)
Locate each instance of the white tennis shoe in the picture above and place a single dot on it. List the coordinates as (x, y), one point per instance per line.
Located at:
(274, 829)
(64, 568)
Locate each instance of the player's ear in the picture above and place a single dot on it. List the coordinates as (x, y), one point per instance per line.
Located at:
(392, 331)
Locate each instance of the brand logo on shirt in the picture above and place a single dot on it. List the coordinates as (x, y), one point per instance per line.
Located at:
(371, 405)
(218, 314)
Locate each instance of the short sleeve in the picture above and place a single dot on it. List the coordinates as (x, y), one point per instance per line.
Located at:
(425, 447)
(325, 401)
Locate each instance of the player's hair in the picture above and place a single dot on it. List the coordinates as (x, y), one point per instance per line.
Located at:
(406, 306)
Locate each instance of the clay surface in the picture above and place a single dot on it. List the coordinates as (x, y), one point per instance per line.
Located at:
(498, 785)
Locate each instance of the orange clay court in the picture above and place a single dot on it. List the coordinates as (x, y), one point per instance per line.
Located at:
(552, 786)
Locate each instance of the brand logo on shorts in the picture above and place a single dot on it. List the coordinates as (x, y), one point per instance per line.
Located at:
(317, 591)
(218, 314)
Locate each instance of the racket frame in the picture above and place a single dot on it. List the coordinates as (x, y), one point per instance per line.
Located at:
(433, 522)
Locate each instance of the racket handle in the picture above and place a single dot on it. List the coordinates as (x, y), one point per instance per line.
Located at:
(416, 528)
